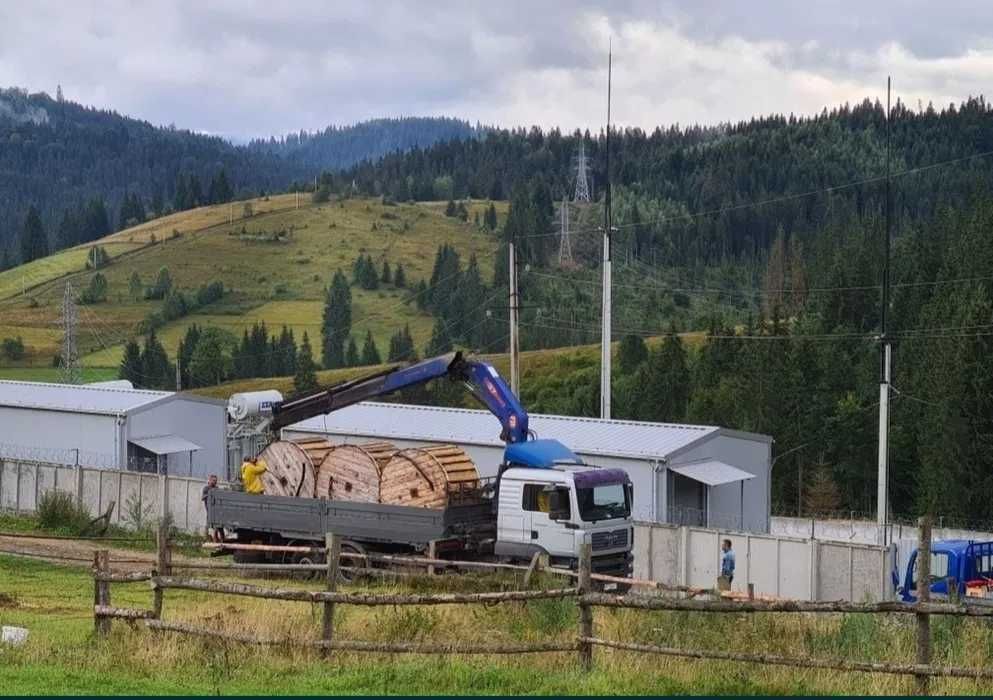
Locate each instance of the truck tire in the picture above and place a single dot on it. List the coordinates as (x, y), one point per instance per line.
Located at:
(348, 576)
(304, 558)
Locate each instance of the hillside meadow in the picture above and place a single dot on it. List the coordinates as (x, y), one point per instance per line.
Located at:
(274, 255)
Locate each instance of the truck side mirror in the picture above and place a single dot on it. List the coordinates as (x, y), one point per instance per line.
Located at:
(558, 504)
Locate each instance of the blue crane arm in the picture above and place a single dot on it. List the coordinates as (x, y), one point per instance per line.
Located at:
(481, 378)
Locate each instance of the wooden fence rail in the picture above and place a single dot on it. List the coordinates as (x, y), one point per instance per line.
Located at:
(585, 597)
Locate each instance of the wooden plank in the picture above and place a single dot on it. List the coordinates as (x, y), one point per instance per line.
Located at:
(356, 645)
(107, 611)
(779, 606)
(366, 599)
(801, 662)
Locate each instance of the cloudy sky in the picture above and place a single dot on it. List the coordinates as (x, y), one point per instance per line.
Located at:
(252, 68)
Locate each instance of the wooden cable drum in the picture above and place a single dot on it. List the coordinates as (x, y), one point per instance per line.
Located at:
(291, 469)
(425, 476)
(352, 472)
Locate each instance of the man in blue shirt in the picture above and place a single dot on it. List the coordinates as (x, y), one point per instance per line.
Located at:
(727, 561)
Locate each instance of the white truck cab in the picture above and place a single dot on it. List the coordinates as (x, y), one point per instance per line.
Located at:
(555, 510)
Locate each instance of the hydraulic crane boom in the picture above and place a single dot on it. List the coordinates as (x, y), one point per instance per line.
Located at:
(479, 377)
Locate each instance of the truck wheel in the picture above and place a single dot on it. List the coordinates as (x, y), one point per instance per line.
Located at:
(347, 575)
(304, 558)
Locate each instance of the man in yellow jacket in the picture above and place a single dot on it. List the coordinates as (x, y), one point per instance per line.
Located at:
(252, 470)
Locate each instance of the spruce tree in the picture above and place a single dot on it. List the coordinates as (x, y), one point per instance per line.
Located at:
(441, 341)
(157, 372)
(131, 366)
(370, 353)
(34, 244)
(399, 277)
(336, 322)
(386, 277)
(305, 378)
(633, 352)
(352, 353)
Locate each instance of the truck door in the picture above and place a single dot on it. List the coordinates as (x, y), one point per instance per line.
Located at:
(510, 517)
(541, 530)
(978, 566)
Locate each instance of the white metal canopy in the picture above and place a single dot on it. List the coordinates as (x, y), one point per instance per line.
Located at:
(711, 472)
(166, 444)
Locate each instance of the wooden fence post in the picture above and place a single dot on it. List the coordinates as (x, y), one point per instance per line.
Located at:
(585, 609)
(101, 590)
(332, 545)
(432, 554)
(163, 566)
(923, 595)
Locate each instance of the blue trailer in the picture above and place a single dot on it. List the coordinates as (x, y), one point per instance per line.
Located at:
(965, 564)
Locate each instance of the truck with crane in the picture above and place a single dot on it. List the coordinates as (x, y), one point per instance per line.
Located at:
(544, 499)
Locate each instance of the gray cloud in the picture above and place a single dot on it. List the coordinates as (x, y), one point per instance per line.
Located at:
(255, 68)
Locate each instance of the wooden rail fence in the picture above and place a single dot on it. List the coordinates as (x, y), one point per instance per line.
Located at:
(584, 643)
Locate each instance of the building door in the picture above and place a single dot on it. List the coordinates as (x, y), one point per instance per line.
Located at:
(687, 501)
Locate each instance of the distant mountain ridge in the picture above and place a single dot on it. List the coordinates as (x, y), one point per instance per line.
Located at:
(56, 155)
(337, 147)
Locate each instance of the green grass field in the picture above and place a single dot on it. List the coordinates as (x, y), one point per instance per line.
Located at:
(51, 374)
(63, 656)
(278, 282)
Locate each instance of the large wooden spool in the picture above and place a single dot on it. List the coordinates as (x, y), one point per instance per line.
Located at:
(352, 472)
(292, 466)
(425, 476)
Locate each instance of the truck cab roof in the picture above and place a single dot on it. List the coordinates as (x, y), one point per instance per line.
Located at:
(579, 476)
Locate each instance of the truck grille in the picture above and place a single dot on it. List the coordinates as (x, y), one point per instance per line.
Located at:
(610, 539)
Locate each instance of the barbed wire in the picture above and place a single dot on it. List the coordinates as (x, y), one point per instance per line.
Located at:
(57, 456)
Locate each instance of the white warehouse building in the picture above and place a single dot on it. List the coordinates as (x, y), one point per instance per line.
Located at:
(112, 426)
(684, 474)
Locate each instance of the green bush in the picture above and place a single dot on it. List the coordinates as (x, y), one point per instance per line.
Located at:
(57, 510)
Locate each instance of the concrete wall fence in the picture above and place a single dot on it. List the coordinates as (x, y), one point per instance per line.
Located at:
(786, 567)
(23, 483)
(778, 566)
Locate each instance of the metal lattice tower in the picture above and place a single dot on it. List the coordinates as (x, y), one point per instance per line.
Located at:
(565, 245)
(582, 182)
(69, 361)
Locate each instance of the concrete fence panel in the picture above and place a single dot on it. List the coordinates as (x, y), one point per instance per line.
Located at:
(8, 485)
(703, 563)
(91, 493)
(762, 554)
(27, 487)
(794, 569)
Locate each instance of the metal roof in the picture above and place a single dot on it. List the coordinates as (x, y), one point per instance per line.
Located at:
(165, 444)
(591, 436)
(76, 398)
(711, 472)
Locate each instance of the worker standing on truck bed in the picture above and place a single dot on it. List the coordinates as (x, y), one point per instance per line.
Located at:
(252, 470)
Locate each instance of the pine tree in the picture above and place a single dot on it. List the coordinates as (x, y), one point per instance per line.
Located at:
(386, 277)
(665, 382)
(131, 365)
(441, 341)
(157, 372)
(181, 199)
(337, 321)
(305, 378)
(399, 277)
(490, 218)
(187, 346)
(208, 365)
(68, 233)
(402, 346)
(34, 243)
(352, 353)
(821, 497)
(632, 353)
(370, 353)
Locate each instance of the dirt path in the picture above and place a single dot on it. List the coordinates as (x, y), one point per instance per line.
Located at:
(80, 552)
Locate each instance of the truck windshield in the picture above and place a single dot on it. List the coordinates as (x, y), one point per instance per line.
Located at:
(604, 502)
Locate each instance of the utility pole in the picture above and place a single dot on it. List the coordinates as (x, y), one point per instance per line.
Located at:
(514, 330)
(69, 362)
(605, 334)
(179, 375)
(882, 485)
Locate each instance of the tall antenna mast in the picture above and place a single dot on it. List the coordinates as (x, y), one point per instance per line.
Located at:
(69, 362)
(605, 334)
(882, 484)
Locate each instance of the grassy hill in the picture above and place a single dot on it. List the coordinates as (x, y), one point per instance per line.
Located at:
(274, 255)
